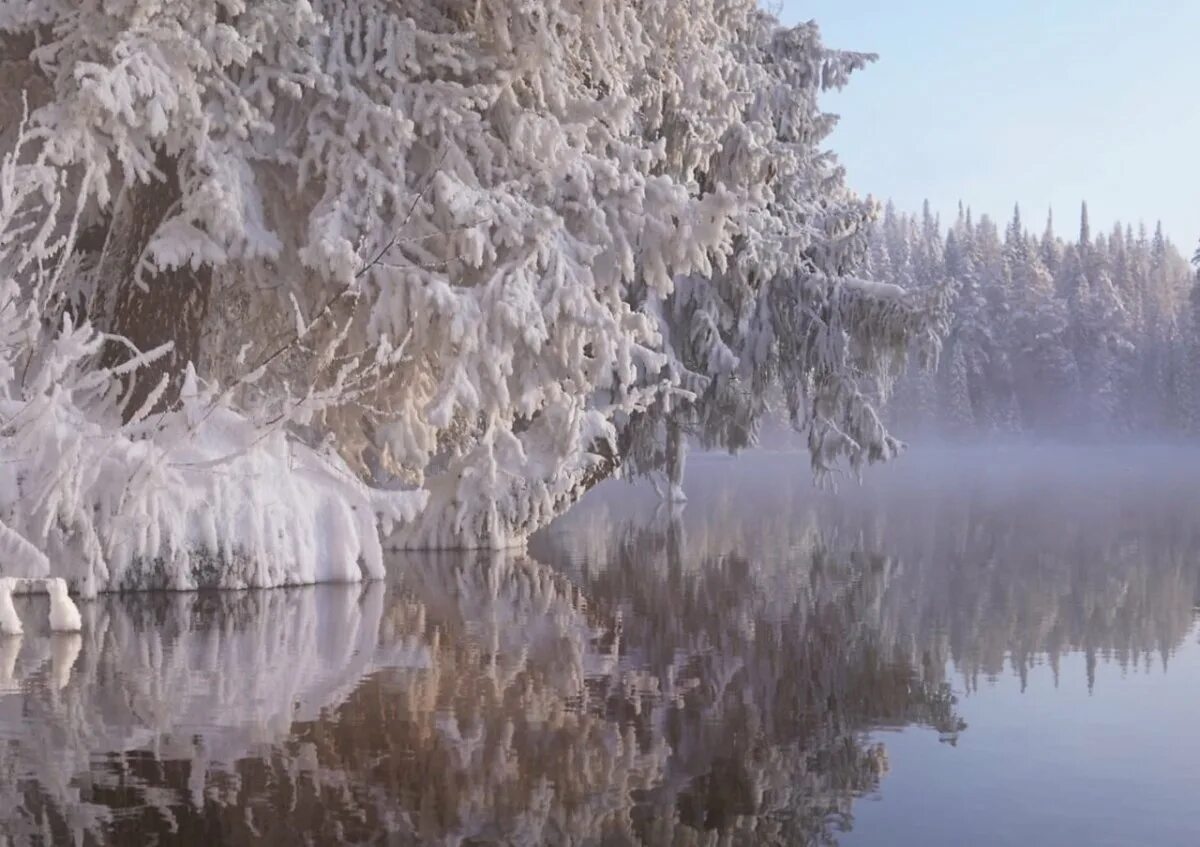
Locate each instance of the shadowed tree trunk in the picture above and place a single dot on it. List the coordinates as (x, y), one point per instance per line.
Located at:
(676, 456)
(152, 307)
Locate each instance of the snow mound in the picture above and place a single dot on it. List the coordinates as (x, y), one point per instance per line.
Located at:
(64, 614)
(200, 497)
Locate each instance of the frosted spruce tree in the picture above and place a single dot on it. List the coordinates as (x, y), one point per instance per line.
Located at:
(440, 265)
(786, 324)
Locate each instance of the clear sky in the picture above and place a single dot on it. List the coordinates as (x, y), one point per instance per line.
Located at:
(1043, 103)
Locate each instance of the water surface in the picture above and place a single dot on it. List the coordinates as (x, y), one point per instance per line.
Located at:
(976, 647)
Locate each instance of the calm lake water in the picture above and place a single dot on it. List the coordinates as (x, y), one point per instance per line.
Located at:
(975, 647)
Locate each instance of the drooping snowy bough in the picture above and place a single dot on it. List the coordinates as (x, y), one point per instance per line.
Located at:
(283, 275)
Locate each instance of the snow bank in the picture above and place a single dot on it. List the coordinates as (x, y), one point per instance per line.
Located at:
(200, 497)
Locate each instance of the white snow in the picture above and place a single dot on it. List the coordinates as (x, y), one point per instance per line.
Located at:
(10, 622)
(64, 615)
(205, 501)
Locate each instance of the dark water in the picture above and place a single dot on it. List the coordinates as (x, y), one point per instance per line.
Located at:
(974, 648)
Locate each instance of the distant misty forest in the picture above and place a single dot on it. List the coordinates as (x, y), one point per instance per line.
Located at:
(1098, 335)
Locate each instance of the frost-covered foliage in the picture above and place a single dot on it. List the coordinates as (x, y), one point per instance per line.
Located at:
(786, 321)
(1049, 337)
(482, 252)
(195, 496)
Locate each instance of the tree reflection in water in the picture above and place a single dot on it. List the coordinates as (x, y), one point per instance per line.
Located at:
(710, 677)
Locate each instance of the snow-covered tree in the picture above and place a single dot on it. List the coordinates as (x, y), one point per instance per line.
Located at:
(787, 322)
(1043, 372)
(477, 253)
(971, 345)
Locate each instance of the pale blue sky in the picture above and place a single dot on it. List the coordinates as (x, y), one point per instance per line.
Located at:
(1042, 103)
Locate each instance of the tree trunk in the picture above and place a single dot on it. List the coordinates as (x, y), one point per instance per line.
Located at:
(160, 306)
(676, 456)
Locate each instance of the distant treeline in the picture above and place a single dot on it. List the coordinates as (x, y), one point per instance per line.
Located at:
(1097, 336)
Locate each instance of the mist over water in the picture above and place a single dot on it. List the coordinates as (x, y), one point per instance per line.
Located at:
(983, 646)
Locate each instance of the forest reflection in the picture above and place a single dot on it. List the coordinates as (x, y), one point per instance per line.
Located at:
(641, 675)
